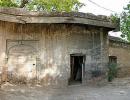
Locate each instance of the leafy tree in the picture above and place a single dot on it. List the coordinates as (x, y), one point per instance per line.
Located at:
(55, 5)
(23, 3)
(125, 22)
(7, 3)
(44, 5)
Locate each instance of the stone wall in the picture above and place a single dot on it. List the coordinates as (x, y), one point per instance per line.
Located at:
(40, 53)
(122, 51)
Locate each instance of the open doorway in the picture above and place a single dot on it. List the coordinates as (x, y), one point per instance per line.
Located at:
(77, 67)
(113, 60)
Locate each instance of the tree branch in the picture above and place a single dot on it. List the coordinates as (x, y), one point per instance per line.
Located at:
(23, 3)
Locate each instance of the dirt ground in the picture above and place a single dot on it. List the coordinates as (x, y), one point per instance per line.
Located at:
(119, 89)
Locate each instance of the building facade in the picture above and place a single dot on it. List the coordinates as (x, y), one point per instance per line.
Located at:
(53, 49)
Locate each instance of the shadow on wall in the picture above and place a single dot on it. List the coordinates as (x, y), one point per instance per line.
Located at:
(50, 75)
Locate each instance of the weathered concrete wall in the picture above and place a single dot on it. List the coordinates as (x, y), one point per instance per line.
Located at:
(44, 53)
(122, 52)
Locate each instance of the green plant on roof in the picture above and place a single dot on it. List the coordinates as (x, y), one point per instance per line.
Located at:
(44, 5)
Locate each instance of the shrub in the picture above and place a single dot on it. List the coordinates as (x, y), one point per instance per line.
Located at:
(112, 72)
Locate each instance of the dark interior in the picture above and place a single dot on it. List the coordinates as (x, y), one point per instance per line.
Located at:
(76, 69)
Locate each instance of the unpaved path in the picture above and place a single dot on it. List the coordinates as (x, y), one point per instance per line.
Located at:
(117, 90)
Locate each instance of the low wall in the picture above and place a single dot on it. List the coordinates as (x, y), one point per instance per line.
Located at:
(122, 51)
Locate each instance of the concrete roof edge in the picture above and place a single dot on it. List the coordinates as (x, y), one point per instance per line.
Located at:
(17, 13)
(117, 39)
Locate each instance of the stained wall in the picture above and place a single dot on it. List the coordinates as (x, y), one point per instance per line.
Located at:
(122, 51)
(40, 53)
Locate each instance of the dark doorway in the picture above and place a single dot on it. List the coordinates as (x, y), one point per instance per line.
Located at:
(76, 65)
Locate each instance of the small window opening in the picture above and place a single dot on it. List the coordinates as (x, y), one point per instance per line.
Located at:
(113, 59)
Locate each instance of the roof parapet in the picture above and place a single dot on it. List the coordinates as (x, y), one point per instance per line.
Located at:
(19, 15)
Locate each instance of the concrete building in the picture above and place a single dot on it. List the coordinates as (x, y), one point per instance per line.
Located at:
(119, 52)
(53, 49)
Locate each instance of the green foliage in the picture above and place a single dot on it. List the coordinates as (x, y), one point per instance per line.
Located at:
(44, 5)
(125, 22)
(114, 18)
(55, 5)
(8, 3)
(112, 72)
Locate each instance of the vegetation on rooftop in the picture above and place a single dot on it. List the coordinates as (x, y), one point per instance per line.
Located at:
(44, 5)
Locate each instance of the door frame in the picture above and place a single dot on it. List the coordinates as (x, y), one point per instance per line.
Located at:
(83, 66)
